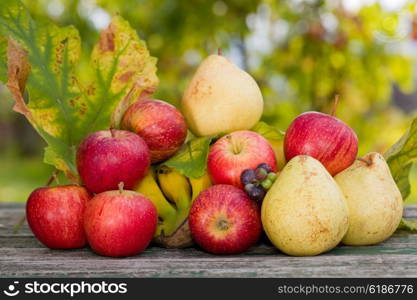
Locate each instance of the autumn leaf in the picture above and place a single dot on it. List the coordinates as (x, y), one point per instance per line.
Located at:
(41, 64)
(122, 58)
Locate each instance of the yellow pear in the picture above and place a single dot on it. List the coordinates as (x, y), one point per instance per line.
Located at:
(304, 212)
(374, 201)
(221, 98)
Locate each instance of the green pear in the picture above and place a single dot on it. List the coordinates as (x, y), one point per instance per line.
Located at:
(304, 212)
(221, 98)
(374, 201)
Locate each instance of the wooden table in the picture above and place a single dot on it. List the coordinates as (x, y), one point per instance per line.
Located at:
(22, 255)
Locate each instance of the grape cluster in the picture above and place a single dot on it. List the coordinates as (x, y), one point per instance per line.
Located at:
(257, 181)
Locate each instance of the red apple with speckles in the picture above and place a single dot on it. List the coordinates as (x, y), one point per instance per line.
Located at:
(235, 152)
(106, 158)
(120, 223)
(55, 215)
(160, 124)
(324, 137)
(223, 220)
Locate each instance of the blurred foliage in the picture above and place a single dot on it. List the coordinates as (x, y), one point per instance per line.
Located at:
(301, 53)
(19, 176)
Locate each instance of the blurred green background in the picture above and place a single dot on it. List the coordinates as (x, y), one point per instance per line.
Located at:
(301, 52)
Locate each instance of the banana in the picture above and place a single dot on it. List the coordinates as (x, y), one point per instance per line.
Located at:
(166, 212)
(199, 184)
(176, 188)
(172, 194)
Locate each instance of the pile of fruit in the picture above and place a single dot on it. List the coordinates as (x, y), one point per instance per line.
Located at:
(210, 173)
(322, 196)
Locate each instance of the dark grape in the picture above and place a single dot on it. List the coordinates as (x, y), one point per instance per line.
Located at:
(265, 166)
(249, 187)
(248, 176)
(256, 193)
(260, 174)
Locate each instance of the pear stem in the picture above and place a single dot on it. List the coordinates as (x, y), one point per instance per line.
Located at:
(121, 186)
(219, 51)
(367, 161)
(335, 103)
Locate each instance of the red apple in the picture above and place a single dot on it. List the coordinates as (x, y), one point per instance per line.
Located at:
(160, 124)
(120, 223)
(223, 220)
(106, 158)
(55, 215)
(234, 153)
(323, 137)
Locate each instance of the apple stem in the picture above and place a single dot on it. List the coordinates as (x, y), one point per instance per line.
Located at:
(121, 186)
(235, 148)
(219, 51)
(336, 102)
(112, 132)
(367, 161)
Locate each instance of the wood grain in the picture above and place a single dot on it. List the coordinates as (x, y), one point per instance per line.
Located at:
(22, 255)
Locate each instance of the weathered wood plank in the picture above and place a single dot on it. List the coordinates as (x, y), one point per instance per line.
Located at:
(22, 255)
(410, 211)
(9, 216)
(397, 244)
(161, 263)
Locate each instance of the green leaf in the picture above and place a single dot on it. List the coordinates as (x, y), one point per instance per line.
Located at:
(267, 131)
(408, 225)
(61, 107)
(401, 156)
(191, 159)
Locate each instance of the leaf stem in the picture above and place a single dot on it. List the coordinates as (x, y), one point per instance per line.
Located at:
(53, 177)
(19, 224)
